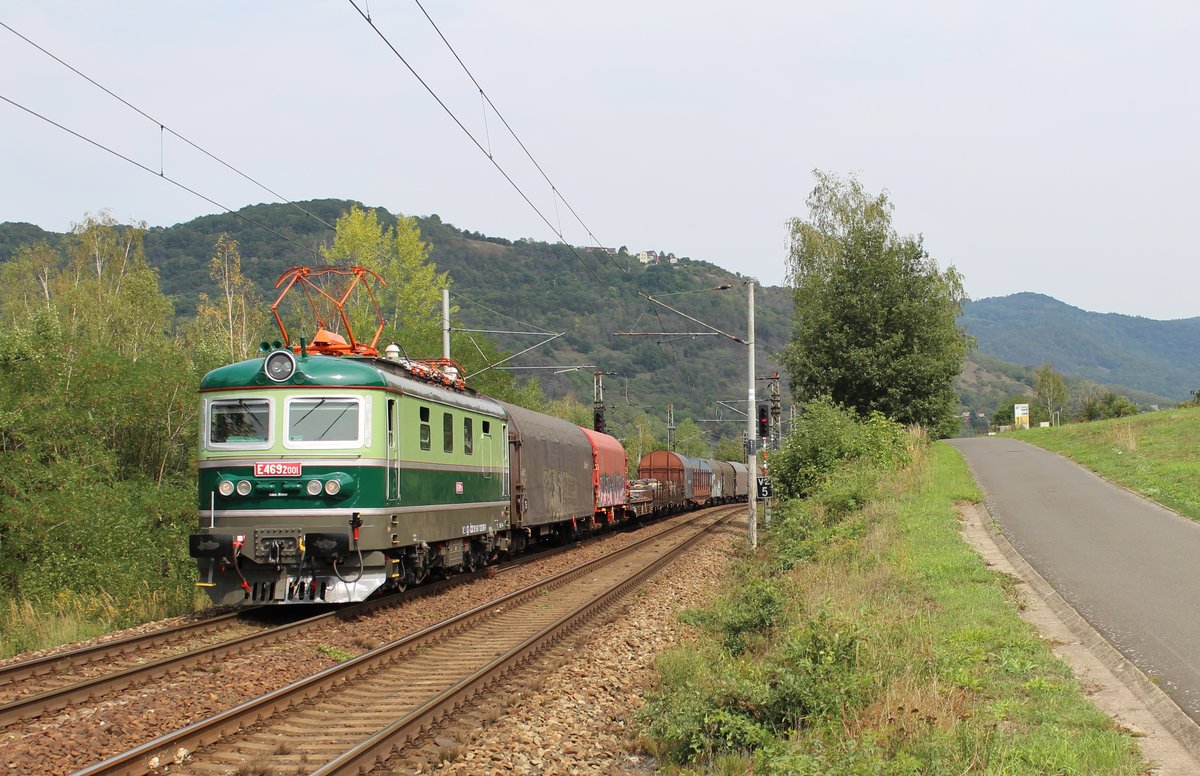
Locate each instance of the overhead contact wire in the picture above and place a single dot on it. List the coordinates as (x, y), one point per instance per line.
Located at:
(515, 137)
(164, 128)
(558, 195)
(156, 174)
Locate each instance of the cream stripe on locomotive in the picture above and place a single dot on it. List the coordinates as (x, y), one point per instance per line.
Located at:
(374, 511)
(369, 463)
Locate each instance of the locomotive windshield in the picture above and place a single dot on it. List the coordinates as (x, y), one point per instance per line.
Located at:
(234, 421)
(324, 420)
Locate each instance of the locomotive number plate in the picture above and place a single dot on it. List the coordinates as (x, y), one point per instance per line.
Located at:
(277, 469)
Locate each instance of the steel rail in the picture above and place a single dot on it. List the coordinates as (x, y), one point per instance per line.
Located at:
(377, 749)
(34, 705)
(39, 666)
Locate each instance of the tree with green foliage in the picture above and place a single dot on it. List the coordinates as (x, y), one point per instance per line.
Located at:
(643, 438)
(237, 315)
(729, 449)
(875, 322)
(1051, 390)
(102, 446)
(690, 439)
(824, 438)
(1107, 405)
(411, 300)
(570, 408)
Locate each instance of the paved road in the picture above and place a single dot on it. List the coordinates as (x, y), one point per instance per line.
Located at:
(1130, 567)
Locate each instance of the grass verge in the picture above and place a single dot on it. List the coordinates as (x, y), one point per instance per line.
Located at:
(869, 640)
(28, 625)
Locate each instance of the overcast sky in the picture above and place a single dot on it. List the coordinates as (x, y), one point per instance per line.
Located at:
(1045, 147)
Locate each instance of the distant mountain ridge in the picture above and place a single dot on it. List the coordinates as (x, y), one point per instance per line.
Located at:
(1160, 357)
(556, 289)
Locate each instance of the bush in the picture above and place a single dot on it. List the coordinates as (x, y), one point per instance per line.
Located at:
(814, 677)
(710, 704)
(825, 437)
(753, 608)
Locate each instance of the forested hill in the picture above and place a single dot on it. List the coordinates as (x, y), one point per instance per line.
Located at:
(1160, 357)
(526, 284)
(531, 284)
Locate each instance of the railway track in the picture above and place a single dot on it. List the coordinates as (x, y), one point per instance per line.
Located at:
(351, 717)
(57, 674)
(35, 687)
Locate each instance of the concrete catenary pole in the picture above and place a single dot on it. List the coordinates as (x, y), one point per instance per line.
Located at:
(752, 432)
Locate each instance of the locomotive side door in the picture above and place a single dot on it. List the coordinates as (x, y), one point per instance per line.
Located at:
(393, 451)
(518, 476)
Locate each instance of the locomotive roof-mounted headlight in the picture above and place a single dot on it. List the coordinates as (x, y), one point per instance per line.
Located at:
(280, 366)
(225, 487)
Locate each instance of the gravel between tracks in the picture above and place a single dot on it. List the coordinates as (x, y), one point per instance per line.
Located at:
(579, 719)
(73, 737)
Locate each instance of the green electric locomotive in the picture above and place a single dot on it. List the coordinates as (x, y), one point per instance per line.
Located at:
(329, 473)
(326, 478)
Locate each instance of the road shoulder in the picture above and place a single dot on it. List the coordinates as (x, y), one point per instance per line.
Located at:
(1168, 738)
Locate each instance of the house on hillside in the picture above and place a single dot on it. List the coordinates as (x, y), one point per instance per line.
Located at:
(648, 257)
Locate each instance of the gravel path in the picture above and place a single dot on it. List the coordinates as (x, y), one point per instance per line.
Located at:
(61, 742)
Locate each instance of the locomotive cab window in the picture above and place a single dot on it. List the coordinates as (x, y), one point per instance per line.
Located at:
(234, 423)
(447, 432)
(325, 422)
(426, 435)
(468, 436)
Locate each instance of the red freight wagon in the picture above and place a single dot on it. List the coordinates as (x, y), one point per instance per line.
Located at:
(674, 474)
(609, 485)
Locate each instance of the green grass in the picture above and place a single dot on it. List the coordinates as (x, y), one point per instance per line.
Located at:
(1154, 454)
(27, 625)
(891, 649)
(335, 653)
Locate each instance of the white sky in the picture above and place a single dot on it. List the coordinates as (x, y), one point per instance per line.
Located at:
(1038, 146)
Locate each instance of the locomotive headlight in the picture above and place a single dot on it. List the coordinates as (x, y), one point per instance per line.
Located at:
(314, 487)
(279, 366)
(225, 487)
(244, 487)
(333, 487)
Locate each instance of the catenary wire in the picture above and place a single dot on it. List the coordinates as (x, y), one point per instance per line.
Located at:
(512, 132)
(157, 174)
(163, 127)
(486, 152)
(467, 299)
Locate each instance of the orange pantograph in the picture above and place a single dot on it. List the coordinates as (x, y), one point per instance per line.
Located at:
(329, 309)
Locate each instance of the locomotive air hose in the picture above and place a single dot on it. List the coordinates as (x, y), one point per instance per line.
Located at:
(338, 574)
